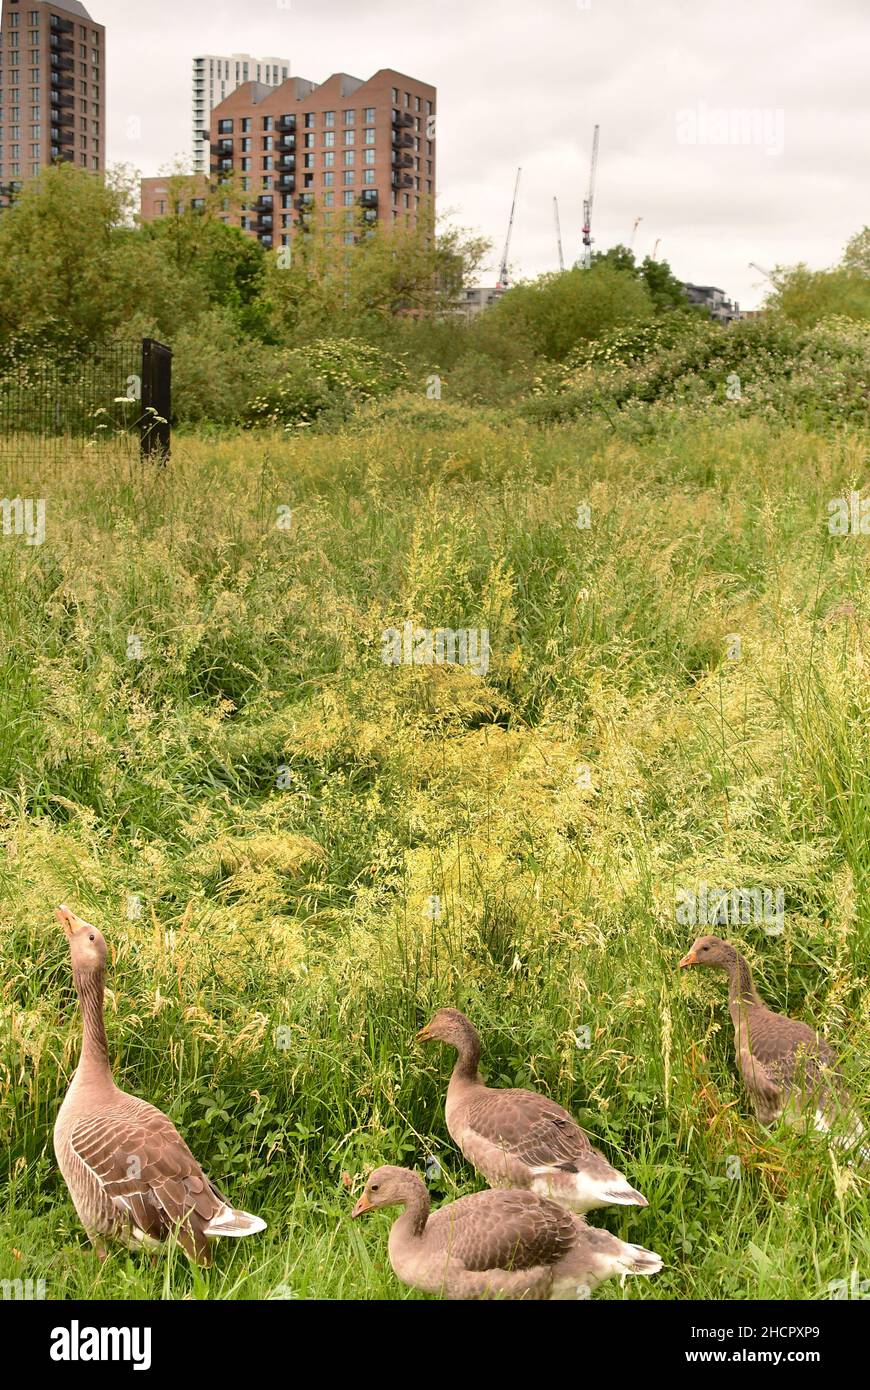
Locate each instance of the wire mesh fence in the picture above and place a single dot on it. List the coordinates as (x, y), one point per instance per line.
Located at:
(111, 398)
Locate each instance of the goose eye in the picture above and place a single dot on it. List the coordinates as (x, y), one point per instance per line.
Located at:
(92, 937)
(374, 1187)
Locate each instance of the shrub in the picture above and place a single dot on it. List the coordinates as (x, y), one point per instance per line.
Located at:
(329, 376)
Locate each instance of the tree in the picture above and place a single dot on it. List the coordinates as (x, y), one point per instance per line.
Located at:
(556, 312)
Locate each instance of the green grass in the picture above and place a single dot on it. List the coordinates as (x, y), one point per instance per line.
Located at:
(304, 907)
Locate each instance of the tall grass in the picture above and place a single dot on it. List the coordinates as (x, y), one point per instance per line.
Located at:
(284, 806)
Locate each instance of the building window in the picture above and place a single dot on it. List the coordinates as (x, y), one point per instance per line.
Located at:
(308, 161)
(245, 164)
(348, 176)
(268, 162)
(350, 137)
(329, 138)
(308, 120)
(349, 117)
(245, 123)
(247, 143)
(329, 118)
(328, 179)
(368, 156)
(416, 103)
(268, 142)
(368, 115)
(370, 137)
(350, 157)
(368, 176)
(308, 141)
(225, 126)
(328, 200)
(396, 95)
(347, 200)
(329, 160)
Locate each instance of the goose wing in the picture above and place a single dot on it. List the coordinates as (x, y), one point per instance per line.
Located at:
(143, 1166)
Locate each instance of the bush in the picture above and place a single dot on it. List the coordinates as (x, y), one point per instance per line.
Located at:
(763, 367)
(328, 377)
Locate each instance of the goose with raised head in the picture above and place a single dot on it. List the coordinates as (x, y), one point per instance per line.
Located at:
(496, 1244)
(788, 1070)
(518, 1138)
(129, 1172)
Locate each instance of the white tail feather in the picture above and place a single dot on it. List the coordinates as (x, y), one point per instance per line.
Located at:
(230, 1222)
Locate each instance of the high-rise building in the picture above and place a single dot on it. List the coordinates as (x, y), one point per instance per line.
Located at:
(52, 89)
(215, 77)
(348, 146)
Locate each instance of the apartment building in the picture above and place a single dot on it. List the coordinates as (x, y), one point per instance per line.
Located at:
(720, 307)
(357, 150)
(214, 78)
(52, 90)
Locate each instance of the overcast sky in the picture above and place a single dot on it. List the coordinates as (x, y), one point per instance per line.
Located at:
(737, 129)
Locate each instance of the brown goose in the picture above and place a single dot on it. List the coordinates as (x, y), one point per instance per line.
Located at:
(518, 1138)
(787, 1068)
(130, 1174)
(511, 1245)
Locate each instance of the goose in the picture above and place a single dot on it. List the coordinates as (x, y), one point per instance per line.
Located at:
(496, 1244)
(518, 1138)
(788, 1070)
(129, 1172)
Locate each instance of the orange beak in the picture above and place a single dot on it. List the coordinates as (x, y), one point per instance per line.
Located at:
(690, 959)
(68, 920)
(423, 1035)
(362, 1205)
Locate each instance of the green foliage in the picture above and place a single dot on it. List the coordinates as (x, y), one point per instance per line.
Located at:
(300, 903)
(763, 367)
(326, 377)
(555, 313)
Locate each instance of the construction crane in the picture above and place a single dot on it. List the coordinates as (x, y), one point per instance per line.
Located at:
(558, 233)
(586, 257)
(656, 249)
(503, 272)
(637, 222)
(760, 268)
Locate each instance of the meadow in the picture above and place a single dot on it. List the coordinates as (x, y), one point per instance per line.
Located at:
(296, 851)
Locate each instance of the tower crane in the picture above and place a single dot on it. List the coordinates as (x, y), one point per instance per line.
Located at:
(760, 268)
(503, 272)
(558, 233)
(637, 222)
(586, 257)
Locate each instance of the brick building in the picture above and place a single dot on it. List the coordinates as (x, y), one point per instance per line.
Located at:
(52, 89)
(352, 148)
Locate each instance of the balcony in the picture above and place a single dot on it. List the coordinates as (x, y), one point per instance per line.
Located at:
(401, 138)
(223, 148)
(60, 63)
(286, 183)
(62, 103)
(264, 203)
(61, 26)
(403, 161)
(305, 200)
(62, 137)
(285, 123)
(369, 197)
(402, 180)
(223, 166)
(403, 118)
(286, 143)
(63, 117)
(286, 163)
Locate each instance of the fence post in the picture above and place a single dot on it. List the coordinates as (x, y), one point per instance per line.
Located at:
(156, 399)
